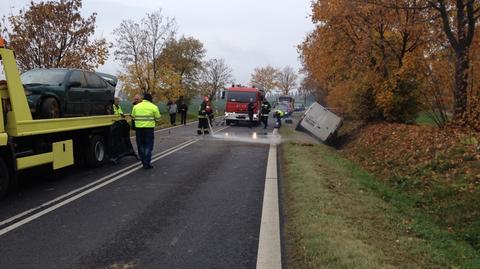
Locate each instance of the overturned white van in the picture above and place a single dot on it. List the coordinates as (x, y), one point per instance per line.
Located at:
(320, 122)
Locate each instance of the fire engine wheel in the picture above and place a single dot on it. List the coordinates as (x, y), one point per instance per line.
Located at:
(4, 178)
(95, 154)
(50, 108)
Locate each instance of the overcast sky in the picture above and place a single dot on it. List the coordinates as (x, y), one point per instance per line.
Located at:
(246, 33)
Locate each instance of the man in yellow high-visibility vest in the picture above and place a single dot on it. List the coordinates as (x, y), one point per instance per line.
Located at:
(279, 114)
(117, 109)
(146, 115)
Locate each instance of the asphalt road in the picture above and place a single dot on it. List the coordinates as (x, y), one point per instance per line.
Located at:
(200, 207)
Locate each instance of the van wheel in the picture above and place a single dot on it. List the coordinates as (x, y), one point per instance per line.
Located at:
(96, 151)
(4, 178)
(49, 108)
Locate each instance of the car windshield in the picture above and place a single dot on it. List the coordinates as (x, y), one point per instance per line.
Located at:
(285, 99)
(282, 107)
(241, 97)
(53, 77)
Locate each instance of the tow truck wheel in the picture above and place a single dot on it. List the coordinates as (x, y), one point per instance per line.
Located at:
(49, 109)
(4, 178)
(96, 152)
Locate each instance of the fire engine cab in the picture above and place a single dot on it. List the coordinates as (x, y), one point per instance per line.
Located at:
(236, 107)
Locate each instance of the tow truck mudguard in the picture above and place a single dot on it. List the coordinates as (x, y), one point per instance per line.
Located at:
(120, 144)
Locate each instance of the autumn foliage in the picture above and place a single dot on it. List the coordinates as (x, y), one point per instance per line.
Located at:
(54, 34)
(390, 59)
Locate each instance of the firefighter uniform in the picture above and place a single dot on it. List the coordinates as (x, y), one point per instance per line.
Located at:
(203, 118)
(146, 114)
(264, 112)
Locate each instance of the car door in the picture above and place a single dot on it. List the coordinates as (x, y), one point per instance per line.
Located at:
(100, 94)
(77, 95)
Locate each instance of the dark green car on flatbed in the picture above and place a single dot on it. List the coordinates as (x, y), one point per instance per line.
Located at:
(62, 92)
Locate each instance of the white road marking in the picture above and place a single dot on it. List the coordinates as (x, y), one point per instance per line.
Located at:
(269, 248)
(11, 219)
(85, 189)
(132, 168)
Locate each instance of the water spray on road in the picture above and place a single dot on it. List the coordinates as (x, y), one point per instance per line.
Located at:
(254, 138)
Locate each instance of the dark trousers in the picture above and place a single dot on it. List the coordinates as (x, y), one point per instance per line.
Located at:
(202, 125)
(250, 117)
(145, 139)
(173, 117)
(265, 121)
(279, 121)
(183, 118)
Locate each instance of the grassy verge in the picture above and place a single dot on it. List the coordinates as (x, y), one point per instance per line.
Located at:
(339, 216)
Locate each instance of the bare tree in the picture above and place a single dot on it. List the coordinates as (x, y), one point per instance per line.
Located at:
(215, 75)
(265, 78)
(139, 46)
(287, 79)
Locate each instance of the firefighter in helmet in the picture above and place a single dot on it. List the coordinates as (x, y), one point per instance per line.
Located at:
(203, 113)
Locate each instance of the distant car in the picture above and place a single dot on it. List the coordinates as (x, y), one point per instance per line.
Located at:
(299, 107)
(284, 107)
(54, 93)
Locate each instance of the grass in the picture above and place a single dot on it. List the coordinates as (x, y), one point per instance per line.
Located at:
(425, 118)
(337, 215)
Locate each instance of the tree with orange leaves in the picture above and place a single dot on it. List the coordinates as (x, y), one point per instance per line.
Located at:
(54, 34)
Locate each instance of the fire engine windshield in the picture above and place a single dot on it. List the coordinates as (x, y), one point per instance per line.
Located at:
(241, 97)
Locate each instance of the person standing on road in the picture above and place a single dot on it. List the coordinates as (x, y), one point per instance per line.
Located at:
(136, 100)
(202, 117)
(264, 112)
(146, 115)
(250, 109)
(172, 110)
(183, 109)
(279, 115)
(117, 109)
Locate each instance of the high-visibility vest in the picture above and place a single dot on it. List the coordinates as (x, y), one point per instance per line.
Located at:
(145, 114)
(117, 110)
(280, 113)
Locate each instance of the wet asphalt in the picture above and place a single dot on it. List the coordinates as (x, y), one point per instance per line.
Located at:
(200, 207)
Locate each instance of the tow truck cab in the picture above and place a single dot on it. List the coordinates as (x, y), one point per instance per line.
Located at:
(237, 99)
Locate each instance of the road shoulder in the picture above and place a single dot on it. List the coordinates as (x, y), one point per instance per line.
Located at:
(332, 221)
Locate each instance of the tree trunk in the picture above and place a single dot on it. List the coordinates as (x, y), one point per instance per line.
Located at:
(461, 84)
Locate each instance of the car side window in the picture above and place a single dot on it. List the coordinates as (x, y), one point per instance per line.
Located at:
(77, 76)
(94, 81)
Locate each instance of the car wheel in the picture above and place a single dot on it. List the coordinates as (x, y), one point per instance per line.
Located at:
(95, 153)
(50, 108)
(228, 122)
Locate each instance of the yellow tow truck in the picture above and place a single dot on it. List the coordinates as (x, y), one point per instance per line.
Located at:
(26, 142)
